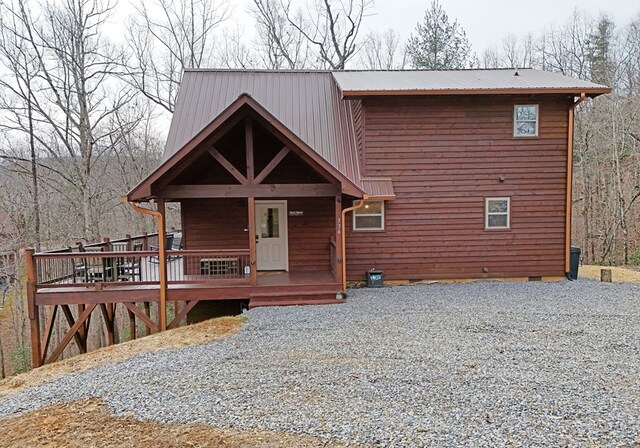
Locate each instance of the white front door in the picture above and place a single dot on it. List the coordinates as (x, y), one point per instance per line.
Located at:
(272, 244)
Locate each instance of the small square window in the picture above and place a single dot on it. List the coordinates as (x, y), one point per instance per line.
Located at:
(369, 217)
(497, 213)
(525, 120)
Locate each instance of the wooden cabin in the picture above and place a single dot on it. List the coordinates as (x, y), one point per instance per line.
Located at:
(293, 183)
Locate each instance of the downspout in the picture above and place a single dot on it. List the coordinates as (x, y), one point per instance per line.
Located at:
(162, 258)
(344, 233)
(567, 230)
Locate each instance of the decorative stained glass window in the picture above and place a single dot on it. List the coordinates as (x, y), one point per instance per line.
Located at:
(525, 120)
(369, 217)
(497, 213)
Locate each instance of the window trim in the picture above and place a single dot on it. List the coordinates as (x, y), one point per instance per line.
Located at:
(515, 121)
(487, 214)
(369, 229)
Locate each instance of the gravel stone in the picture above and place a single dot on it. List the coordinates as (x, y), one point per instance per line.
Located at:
(474, 364)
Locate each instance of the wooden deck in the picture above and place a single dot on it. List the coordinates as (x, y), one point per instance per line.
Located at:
(133, 275)
(282, 288)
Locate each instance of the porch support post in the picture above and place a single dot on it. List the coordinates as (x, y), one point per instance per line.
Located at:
(252, 240)
(162, 255)
(339, 230)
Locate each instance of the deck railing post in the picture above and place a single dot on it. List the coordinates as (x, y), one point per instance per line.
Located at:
(32, 308)
(145, 241)
(129, 244)
(106, 244)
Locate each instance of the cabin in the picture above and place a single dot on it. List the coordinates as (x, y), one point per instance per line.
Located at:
(293, 184)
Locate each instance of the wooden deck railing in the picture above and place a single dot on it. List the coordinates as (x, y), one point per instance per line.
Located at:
(62, 269)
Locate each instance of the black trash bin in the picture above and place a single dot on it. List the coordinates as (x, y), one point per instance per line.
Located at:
(574, 262)
(375, 278)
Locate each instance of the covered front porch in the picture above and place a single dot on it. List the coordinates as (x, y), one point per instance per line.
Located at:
(261, 222)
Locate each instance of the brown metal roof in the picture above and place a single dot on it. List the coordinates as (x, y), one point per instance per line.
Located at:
(310, 104)
(307, 103)
(378, 187)
(447, 82)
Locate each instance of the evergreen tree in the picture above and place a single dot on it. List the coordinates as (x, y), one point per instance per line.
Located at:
(600, 51)
(438, 43)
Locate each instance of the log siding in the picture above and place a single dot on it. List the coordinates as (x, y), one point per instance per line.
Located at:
(221, 224)
(445, 156)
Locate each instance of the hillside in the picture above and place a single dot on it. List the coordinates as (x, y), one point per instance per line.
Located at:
(201, 333)
(90, 423)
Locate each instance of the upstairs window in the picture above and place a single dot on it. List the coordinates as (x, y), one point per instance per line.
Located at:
(497, 213)
(369, 217)
(525, 120)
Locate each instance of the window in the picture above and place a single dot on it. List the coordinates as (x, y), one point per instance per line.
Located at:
(369, 217)
(525, 120)
(497, 211)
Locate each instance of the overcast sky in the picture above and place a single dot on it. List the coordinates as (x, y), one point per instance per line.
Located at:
(488, 21)
(485, 21)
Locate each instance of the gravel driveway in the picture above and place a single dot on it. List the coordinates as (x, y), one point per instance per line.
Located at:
(476, 364)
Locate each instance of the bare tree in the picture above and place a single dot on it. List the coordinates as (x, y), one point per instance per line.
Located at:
(383, 51)
(517, 53)
(565, 49)
(232, 51)
(329, 32)
(75, 94)
(282, 45)
(164, 38)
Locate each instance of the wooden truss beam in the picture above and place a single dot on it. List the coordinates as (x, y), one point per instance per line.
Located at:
(248, 143)
(72, 332)
(183, 312)
(267, 169)
(79, 335)
(228, 166)
(47, 333)
(245, 191)
(151, 325)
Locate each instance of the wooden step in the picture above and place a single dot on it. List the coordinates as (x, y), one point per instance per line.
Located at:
(294, 293)
(321, 297)
(292, 302)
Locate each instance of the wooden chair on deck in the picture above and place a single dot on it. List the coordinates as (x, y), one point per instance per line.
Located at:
(130, 267)
(168, 245)
(95, 269)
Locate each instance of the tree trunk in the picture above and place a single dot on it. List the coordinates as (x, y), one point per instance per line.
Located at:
(34, 175)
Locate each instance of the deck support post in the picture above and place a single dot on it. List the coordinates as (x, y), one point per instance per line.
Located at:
(108, 314)
(132, 325)
(83, 331)
(252, 241)
(339, 229)
(147, 312)
(32, 309)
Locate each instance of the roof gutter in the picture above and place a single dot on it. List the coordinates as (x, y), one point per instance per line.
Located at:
(569, 193)
(358, 205)
(592, 91)
(162, 257)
